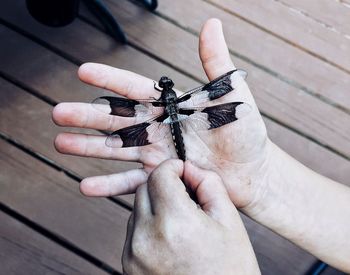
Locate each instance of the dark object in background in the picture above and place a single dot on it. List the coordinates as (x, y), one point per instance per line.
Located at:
(53, 13)
(149, 4)
(59, 13)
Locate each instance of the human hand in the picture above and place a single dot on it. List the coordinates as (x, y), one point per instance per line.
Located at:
(169, 234)
(237, 151)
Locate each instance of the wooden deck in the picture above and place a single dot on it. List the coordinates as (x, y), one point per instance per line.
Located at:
(297, 54)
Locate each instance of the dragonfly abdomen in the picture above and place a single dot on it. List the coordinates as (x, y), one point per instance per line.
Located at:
(178, 140)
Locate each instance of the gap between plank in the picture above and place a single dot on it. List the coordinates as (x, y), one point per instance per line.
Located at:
(78, 62)
(50, 235)
(278, 36)
(312, 18)
(36, 227)
(252, 62)
(39, 156)
(275, 74)
(58, 167)
(58, 239)
(44, 44)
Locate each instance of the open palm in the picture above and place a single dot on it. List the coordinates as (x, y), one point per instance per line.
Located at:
(236, 151)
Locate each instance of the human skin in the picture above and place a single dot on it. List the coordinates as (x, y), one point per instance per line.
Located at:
(169, 234)
(263, 181)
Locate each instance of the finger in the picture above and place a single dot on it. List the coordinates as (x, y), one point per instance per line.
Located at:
(113, 185)
(213, 50)
(142, 205)
(166, 189)
(122, 82)
(211, 193)
(93, 146)
(84, 115)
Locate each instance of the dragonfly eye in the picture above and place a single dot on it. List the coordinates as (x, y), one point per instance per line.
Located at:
(166, 82)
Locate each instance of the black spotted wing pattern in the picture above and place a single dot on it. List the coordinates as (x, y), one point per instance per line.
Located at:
(222, 114)
(215, 89)
(214, 116)
(140, 134)
(190, 116)
(119, 106)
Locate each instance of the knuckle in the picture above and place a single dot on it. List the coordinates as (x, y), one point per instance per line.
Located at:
(138, 247)
(208, 58)
(128, 89)
(140, 190)
(110, 123)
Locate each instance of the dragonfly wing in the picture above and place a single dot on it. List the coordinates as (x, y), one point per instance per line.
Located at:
(215, 89)
(140, 134)
(119, 106)
(213, 117)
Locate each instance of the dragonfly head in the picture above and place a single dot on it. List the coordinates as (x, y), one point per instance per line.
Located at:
(166, 83)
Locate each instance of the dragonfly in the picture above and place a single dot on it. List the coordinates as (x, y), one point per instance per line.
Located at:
(171, 115)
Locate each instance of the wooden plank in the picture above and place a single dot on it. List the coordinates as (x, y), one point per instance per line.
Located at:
(52, 200)
(281, 261)
(294, 27)
(23, 251)
(277, 99)
(292, 261)
(28, 118)
(289, 62)
(333, 14)
(31, 117)
(58, 79)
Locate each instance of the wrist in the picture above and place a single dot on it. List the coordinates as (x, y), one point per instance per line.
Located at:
(285, 197)
(272, 184)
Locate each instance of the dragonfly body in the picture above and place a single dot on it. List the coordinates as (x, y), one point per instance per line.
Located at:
(172, 114)
(171, 109)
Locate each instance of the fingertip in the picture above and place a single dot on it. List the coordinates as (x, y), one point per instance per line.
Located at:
(193, 175)
(64, 114)
(57, 113)
(66, 143)
(93, 187)
(212, 24)
(171, 165)
(204, 182)
(57, 143)
(60, 143)
(190, 171)
(89, 71)
(168, 169)
(86, 188)
(86, 69)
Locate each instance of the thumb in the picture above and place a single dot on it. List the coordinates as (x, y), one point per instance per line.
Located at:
(213, 50)
(166, 189)
(211, 193)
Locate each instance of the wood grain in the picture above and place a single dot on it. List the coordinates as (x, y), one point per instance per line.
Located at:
(56, 78)
(273, 252)
(24, 251)
(333, 14)
(274, 97)
(290, 63)
(294, 27)
(56, 81)
(277, 99)
(52, 200)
